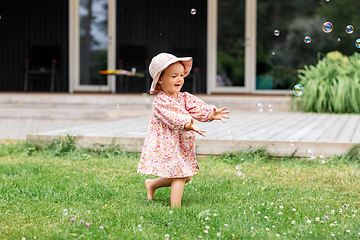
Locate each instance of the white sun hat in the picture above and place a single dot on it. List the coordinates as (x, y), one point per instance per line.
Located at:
(160, 62)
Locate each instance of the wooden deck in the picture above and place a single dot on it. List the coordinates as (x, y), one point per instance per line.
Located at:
(282, 133)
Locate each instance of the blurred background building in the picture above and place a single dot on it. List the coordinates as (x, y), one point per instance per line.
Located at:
(60, 45)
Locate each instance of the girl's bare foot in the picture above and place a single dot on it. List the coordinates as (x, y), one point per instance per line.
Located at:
(149, 188)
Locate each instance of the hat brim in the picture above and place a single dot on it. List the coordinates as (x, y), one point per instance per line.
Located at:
(187, 61)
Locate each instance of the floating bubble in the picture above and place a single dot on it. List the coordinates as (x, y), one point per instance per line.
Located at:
(291, 143)
(118, 105)
(234, 121)
(307, 39)
(193, 11)
(322, 159)
(269, 108)
(327, 0)
(260, 107)
(327, 27)
(238, 170)
(298, 90)
(357, 43)
(339, 39)
(349, 29)
(310, 154)
(276, 33)
(273, 53)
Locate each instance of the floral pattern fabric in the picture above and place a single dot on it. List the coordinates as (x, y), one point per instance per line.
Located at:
(169, 150)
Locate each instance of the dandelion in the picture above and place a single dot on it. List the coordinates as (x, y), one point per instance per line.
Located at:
(267, 229)
(326, 217)
(280, 213)
(206, 231)
(101, 227)
(294, 210)
(281, 207)
(317, 219)
(332, 212)
(308, 221)
(87, 225)
(218, 234)
(293, 222)
(72, 219)
(170, 212)
(207, 227)
(81, 221)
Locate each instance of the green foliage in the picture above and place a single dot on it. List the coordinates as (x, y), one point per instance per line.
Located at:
(333, 85)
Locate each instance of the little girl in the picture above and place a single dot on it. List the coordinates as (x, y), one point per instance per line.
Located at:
(169, 149)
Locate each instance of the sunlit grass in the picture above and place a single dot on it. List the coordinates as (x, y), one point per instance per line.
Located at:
(42, 189)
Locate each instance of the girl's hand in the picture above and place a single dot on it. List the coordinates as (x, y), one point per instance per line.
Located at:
(191, 126)
(218, 114)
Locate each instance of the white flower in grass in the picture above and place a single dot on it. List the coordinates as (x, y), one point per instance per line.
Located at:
(273, 226)
(355, 211)
(170, 212)
(332, 225)
(218, 234)
(353, 215)
(348, 231)
(259, 212)
(207, 219)
(332, 234)
(252, 228)
(340, 211)
(250, 208)
(280, 213)
(206, 231)
(167, 235)
(293, 222)
(317, 219)
(266, 217)
(294, 210)
(310, 232)
(332, 212)
(281, 207)
(271, 203)
(308, 221)
(278, 235)
(226, 225)
(214, 214)
(267, 229)
(262, 204)
(207, 227)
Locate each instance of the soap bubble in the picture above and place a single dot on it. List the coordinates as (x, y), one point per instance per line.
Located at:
(269, 108)
(238, 170)
(260, 107)
(118, 105)
(276, 33)
(298, 90)
(307, 39)
(193, 11)
(339, 39)
(310, 154)
(273, 53)
(349, 29)
(327, 0)
(291, 143)
(357, 43)
(322, 159)
(327, 27)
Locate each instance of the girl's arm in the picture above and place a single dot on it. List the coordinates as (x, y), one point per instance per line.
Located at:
(170, 113)
(197, 108)
(218, 114)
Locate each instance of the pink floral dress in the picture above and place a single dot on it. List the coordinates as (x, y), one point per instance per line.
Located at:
(169, 150)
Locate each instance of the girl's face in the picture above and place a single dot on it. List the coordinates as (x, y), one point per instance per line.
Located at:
(172, 79)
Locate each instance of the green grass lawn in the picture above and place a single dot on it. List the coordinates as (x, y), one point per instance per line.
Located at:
(42, 189)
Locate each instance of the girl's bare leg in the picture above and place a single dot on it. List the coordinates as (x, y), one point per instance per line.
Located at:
(177, 189)
(153, 184)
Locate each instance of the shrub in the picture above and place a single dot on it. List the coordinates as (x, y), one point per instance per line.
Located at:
(333, 85)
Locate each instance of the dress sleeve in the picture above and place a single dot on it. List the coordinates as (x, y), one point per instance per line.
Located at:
(197, 108)
(170, 113)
